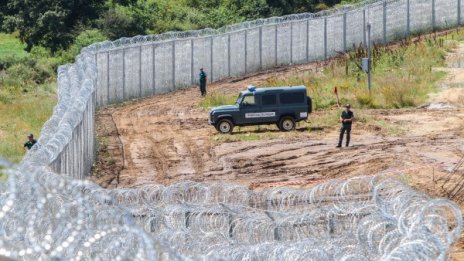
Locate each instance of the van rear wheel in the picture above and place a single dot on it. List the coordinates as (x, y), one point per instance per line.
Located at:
(287, 123)
(225, 126)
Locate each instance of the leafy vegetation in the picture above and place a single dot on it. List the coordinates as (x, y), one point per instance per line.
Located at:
(216, 99)
(10, 46)
(49, 23)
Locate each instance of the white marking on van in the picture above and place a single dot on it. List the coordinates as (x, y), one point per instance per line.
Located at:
(259, 115)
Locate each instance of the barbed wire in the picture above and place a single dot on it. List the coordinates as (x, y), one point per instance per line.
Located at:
(367, 218)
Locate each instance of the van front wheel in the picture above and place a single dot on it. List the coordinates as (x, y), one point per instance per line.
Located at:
(287, 123)
(225, 126)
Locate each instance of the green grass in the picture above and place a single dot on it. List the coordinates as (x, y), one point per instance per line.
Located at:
(217, 99)
(26, 113)
(27, 95)
(11, 46)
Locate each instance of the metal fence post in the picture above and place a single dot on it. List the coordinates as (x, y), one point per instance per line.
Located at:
(384, 22)
(153, 72)
(408, 19)
(276, 233)
(231, 226)
(261, 47)
(174, 65)
(187, 219)
(433, 16)
(123, 74)
(275, 45)
(344, 31)
(364, 28)
(228, 54)
(140, 71)
(212, 57)
(307, 40)
(97, 89)
(325, 37)
(192, 79)
(246, 51)
(107, 94)
(291, 42)
(459, 12)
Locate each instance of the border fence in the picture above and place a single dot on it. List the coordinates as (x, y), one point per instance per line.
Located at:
(150, 65)
(131, 68)
(47, 215)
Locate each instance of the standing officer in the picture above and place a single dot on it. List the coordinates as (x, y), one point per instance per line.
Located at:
(203, 79)
(346, 119)
(31, 141)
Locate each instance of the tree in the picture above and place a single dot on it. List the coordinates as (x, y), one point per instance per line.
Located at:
(249, 9)
(285, 7)
(133, 18)
(51, 23)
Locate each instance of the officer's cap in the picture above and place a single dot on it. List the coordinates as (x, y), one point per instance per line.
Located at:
(30, 136)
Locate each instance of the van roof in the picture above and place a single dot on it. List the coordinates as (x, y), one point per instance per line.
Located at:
(277, 89)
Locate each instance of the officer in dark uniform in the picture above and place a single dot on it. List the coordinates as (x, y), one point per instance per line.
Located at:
(203, 79)
(346, 119)
(31, 141)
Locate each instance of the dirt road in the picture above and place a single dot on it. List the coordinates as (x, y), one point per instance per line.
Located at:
(165, 139)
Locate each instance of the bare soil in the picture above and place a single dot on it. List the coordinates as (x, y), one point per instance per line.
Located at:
(166, 139)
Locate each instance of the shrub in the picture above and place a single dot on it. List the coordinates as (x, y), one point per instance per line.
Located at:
(216, 99)
(365, 100)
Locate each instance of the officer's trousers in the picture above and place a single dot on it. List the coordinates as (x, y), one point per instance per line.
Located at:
(347, 128)
(203, 89)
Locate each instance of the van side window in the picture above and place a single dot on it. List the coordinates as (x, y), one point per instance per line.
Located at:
(249, 101)
(292, 98)
(270, 99)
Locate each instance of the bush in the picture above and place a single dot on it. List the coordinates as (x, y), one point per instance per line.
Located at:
(126, 21)
(8, 61)
(216, 99)
(365, 100)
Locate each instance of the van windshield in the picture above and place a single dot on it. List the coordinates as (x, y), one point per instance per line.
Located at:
(239, 99)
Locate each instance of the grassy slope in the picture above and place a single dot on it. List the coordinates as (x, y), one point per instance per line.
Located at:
(11, 46)
(401, 76)
(23, 113)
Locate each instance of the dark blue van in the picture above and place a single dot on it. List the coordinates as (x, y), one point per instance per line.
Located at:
(283, 106)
